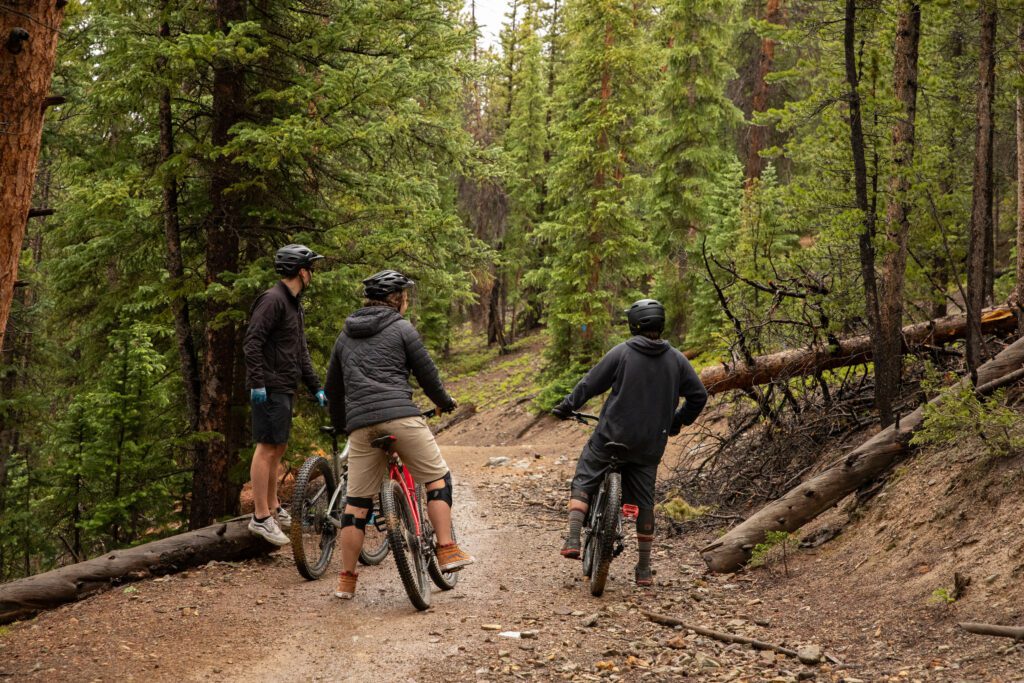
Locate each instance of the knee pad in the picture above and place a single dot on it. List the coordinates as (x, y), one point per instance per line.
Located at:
(645, 522)
(580, 495)
(444, 493)
(351, 520)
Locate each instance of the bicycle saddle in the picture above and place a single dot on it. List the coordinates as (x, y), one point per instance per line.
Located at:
(384, 442)
(329, 430)
(616, 450)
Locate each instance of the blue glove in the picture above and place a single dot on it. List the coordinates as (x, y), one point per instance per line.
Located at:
(321, 398)
(258, 396)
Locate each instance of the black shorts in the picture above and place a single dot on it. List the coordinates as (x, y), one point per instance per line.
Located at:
(272, 419)
(637, 479)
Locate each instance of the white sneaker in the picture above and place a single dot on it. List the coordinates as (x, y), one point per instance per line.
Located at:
(269, 530)
(284, 520)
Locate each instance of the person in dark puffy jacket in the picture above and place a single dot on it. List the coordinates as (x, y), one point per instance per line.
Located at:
(276, 361)
(647, 376)
(369, 395)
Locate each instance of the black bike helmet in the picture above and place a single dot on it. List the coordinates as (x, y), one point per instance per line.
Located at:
(378, 286)
(646, 315)
(291, 258)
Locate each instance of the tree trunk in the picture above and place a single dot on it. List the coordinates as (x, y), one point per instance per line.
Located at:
(1020, 177)
(211, 490)
(883, 402)
(175, 265)
(224, 542)
(888, 356)
(28, 48)
(805, 502)
(495, 312)
(981, 205)
(758, 136)
(810, 360)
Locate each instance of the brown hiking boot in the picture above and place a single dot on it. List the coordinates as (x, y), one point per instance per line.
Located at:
(451, 558)
(346, 586)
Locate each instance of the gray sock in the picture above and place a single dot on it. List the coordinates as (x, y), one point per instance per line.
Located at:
(644, 543)
(575, 524)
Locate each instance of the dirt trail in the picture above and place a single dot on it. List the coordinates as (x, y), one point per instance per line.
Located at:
(260, 621)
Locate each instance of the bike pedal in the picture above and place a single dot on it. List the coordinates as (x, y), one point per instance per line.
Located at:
(630, 512)
(617, 550)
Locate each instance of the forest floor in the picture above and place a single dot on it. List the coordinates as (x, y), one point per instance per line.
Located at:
(865, 599)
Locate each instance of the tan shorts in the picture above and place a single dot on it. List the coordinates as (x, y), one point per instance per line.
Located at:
(368, 466)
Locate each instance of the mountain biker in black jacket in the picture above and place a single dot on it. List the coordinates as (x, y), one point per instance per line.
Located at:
(370, 396)
(276, 361)
(647, 376)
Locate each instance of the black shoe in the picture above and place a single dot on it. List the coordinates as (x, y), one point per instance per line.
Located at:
(644, 576)
(571, 549)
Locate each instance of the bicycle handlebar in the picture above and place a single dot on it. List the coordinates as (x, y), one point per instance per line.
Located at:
(583, 418)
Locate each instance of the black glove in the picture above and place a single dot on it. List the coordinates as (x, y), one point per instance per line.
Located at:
(677, 423)
(562, 411)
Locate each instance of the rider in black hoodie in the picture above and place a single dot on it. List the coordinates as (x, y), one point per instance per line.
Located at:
(647, 376)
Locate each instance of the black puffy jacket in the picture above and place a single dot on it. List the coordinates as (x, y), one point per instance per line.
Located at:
(276, 356)
(368, 375)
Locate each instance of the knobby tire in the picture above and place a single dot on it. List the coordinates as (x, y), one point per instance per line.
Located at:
(312, 533)
(443, 580)
(605, 533)
(404, 544)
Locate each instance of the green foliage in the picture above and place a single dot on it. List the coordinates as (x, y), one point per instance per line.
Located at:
(942, 596)
(678, 510)
(776, 544)
(962, 412)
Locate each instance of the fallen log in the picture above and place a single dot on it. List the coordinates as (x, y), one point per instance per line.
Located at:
(811, 360)
(224, 541)
(718, 635)
(1015, 632)
(806, 501)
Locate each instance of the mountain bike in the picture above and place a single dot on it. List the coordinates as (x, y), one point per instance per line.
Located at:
(410, 534)
(603, 539)
(317, 505)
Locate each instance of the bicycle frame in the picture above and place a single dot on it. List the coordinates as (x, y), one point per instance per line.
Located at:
(338, 462)
(398, 472)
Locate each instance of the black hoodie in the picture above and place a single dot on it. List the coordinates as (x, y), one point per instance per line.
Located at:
(368, 375)
(647, 377)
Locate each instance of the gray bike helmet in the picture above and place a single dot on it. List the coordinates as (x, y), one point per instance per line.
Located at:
(378, 286)
(291, 258)
(646, 315)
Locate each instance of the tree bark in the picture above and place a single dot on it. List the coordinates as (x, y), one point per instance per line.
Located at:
(866, 240)
(224, 542)
(981, 204)
(805, 502)
(175, 265)
(1020, 178)
(1015, 632)
(211, 490)
(888, 356)
(28, 48)
(758, 135)
(810, 360)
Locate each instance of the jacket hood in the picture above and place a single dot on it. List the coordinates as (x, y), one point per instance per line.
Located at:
(650, 347)
(370, 320)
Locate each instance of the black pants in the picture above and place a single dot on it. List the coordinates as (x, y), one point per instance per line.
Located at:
(637, 479)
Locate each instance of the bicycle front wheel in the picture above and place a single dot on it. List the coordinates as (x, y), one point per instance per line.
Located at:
(312, 532)
(405, 543)
(375, 543)
(604, 534)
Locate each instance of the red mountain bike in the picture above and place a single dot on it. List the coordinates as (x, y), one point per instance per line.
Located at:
(410, 534)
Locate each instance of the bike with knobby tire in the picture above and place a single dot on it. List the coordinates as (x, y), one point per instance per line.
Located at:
(317, 505)
(602, 535)
(411, 536)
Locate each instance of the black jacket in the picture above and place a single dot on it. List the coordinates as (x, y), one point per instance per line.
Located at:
(646, 377)
(368, 376)
(276, 356)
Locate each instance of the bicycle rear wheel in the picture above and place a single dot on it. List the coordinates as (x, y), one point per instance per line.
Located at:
(605, 533)
(405, 544)
(375, 544)
(312, 533)
(442, 579)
